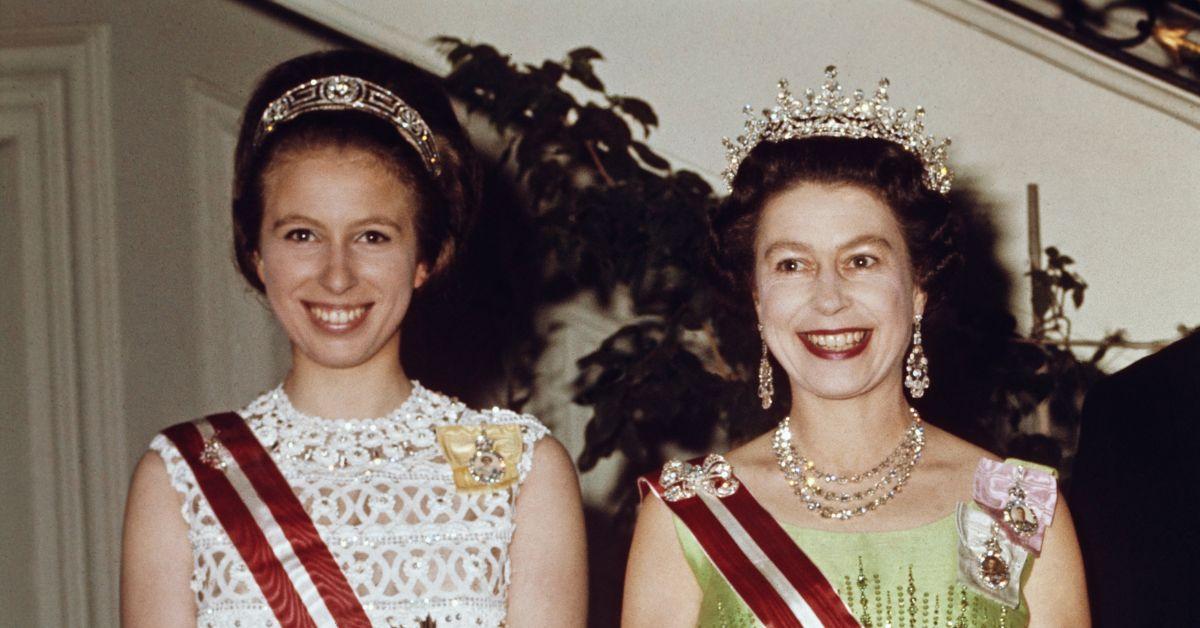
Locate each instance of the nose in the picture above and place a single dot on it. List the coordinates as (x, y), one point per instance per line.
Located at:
(338, 274)
(829, 295)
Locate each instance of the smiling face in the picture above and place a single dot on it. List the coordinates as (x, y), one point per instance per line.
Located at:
(338, 254)
(834, 289)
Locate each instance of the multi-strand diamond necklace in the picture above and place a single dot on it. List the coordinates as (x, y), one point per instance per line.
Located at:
(816, 488)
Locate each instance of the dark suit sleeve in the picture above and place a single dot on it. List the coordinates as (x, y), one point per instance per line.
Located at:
(1096, 486)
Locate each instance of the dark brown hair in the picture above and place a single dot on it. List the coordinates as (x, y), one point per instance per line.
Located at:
(446, 204)
(883, 168)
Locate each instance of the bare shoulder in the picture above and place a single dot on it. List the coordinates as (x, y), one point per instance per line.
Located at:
(552, 486)
(947, 470)
(660, 590)
(156, 561)
(550, 454)
(151, 487)
(753, 458)
(548, 551)
(553, 472)
(951, 455)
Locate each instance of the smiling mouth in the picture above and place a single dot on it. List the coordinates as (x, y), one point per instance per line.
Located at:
(835, 344)
(337, 318)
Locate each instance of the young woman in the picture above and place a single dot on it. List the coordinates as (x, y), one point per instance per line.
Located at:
(853, 510)
(354, 182)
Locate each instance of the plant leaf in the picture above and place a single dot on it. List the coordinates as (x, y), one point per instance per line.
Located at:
(586, 54)
(584, 73)
(652, 159)
(637, 109)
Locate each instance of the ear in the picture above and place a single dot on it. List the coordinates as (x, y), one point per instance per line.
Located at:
(919, 300)
(258, 267)
(421, 276)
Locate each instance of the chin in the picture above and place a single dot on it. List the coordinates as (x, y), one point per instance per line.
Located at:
(336, 355)
(337, 361)
(835, 387)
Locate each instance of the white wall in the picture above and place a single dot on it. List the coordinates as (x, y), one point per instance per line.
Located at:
(1120, 186)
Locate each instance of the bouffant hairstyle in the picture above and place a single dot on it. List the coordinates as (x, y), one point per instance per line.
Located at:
(446, 204)
(881, 167)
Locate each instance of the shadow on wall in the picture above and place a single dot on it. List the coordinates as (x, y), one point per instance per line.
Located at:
(470, 333)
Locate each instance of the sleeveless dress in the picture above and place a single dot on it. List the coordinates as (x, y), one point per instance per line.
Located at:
(918, 577)
(383, 498)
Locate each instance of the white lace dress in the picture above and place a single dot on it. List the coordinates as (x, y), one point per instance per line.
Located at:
(383, 498)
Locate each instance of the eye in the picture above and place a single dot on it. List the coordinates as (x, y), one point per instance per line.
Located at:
(375, 237)
(862, 261)
(789, 265)
(300, 235)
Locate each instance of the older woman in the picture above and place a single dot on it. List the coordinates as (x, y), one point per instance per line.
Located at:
(353, 183)
(852, 510)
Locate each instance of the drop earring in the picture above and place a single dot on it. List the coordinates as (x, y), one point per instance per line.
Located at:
(766, 376)
(916, 365)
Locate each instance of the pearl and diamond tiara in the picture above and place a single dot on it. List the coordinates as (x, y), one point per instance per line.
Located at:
(830, 113)
(350, 93)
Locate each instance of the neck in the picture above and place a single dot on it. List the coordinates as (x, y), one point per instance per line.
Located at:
(371, 389)
(849, 435)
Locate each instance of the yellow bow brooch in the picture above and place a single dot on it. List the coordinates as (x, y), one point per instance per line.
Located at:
(483, 457)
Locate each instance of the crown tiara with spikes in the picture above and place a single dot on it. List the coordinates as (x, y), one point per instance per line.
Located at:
(831, 114)
(350, 93)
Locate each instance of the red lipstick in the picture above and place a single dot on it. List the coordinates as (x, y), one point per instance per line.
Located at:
(832, 352)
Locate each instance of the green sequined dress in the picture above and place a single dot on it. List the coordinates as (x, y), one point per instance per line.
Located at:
(902, 578)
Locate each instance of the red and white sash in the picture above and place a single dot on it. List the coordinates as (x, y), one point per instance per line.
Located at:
(267, 523)
(773, 576)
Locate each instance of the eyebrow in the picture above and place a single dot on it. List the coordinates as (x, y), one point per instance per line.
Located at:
(288, 218)
(370, 220)
(377, 220)
(786, 244)
(868, 239)
(800, 246)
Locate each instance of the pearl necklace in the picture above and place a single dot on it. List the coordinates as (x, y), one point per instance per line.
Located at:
(805, 479)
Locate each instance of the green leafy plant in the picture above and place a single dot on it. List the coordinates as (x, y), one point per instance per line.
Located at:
(1051, 289)
(614, 216)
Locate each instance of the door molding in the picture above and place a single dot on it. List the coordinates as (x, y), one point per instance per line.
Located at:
(55, 108)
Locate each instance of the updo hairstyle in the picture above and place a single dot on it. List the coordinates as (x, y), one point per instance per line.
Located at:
(883, 168)
(446, 204)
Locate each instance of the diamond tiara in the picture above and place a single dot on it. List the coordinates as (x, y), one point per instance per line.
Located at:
(829, 113)
(350, 93)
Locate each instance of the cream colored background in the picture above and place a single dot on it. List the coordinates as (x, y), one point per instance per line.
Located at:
(120, 312)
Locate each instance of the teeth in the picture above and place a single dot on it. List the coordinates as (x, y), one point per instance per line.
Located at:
(837, 342)
(337, 316)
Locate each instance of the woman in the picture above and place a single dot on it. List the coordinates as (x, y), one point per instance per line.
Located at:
(853, 510)
(354, 182)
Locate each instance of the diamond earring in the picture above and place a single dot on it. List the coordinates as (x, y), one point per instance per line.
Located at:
(766, 376)
(916, 366)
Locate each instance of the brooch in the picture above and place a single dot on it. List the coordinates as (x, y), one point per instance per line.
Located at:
(988, 562)
(1018, 515)
(1020, 498)
(486, 464)
(993, 569)
(682, 480)
(214, 454)
(482, 457)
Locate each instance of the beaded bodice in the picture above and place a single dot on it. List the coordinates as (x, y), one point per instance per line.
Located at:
(966, 569)
(382, 496)
(904, 578)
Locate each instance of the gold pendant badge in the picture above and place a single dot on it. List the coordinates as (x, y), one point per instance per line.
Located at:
(483, 457)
